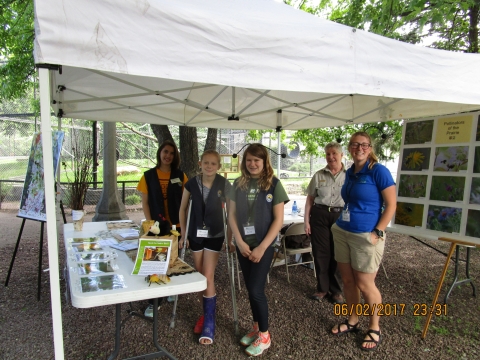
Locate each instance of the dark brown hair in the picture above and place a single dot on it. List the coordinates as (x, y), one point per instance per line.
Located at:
(176, 155)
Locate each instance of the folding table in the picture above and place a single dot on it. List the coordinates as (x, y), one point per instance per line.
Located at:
(136, 288)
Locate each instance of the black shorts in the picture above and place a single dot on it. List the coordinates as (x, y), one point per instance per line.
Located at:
(212, 244)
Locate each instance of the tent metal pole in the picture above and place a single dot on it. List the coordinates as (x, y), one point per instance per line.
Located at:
(44, 78)
(279, 133)
(279, 154)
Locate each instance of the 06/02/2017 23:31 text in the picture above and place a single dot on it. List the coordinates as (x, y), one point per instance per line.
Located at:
(420, 309)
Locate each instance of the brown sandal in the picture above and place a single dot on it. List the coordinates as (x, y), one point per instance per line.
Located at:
(349, 328)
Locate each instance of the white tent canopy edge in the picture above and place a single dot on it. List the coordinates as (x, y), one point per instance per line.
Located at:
(198, 63)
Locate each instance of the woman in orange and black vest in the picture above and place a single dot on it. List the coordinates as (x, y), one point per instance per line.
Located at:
(162, 188)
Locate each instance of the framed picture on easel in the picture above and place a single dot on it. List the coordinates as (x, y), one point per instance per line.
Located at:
(32, 205)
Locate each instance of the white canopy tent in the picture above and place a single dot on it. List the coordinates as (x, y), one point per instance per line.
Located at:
(228, 64)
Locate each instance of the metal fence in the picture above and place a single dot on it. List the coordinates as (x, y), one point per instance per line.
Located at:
(11, 194)
(135, 153)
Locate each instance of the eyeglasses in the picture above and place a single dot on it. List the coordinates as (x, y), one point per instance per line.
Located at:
(355, 145)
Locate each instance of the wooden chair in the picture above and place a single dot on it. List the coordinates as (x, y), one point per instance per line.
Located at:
(295, 229)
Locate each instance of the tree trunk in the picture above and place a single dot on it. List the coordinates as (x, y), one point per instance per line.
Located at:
(473, 28)
(189, 151)
(211, 143)
(162, 132)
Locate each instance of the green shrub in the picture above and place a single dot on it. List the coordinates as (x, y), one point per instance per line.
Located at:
(300, 167)
(305, 186)
(4, 191)
(133, 200)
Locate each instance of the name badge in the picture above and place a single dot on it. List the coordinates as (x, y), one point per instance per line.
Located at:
(175, 181)
(202, 232)
(249, 229)
(346, 215)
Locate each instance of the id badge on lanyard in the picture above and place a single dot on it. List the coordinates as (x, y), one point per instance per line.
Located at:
(248, 229)
(202, 232)
(346, 215)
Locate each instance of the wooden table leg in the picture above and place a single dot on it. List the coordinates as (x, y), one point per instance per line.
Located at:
(439, 287)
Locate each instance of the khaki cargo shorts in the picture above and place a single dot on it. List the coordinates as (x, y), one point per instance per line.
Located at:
(357, 250)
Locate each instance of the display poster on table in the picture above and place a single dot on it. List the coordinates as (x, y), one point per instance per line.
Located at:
(438, 178)
(153, 257)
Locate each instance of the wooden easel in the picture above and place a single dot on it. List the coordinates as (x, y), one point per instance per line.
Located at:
(40, 252)
(453, 245)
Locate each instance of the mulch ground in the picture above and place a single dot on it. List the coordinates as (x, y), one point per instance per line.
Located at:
(299, 326)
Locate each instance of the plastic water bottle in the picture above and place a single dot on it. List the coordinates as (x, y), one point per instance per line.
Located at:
(294, 209)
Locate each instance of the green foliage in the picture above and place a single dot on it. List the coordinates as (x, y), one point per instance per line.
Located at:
(256, 135)
(305, 186)
(16, 48)
(386, 136)
(300, 167)
(454, 24)
(4, 191)
(133, 199)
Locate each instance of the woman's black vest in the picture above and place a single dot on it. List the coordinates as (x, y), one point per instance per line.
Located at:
(263, 210)
(213, 208)
(155, 195)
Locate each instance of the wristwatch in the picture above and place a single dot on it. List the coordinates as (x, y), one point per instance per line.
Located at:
(379, 233)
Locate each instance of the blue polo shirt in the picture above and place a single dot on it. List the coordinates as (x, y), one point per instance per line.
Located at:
(362, 194)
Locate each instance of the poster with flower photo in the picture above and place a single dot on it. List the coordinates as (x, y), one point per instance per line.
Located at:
(453, 158)
(477, 137)
(473, 223)
(476, 165)
(475, 191)
(418, 132)
(409, 214)
(412, 186)
(438, 178)
(417, 159)
(32, 205)
(444, 219)
(447, 188)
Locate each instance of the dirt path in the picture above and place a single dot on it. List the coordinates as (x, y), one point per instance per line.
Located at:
(299, 326)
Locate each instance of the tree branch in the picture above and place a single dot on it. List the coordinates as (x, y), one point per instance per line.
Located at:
(138, 132)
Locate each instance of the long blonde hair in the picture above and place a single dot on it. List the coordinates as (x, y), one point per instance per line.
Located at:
(372, 156)
(266, 177)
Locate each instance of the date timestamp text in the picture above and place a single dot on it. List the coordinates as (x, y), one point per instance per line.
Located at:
(419, 309)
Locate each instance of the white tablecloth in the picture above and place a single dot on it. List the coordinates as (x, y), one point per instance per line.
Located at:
(136, 286)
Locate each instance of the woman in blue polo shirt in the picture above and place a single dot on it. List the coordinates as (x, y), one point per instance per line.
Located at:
(256, 216)
(359, 234)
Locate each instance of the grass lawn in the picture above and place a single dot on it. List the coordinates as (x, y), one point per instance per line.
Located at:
(13, 168)
(17, 168)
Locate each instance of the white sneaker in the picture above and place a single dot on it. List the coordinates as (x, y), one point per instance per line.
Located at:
(149, 311)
